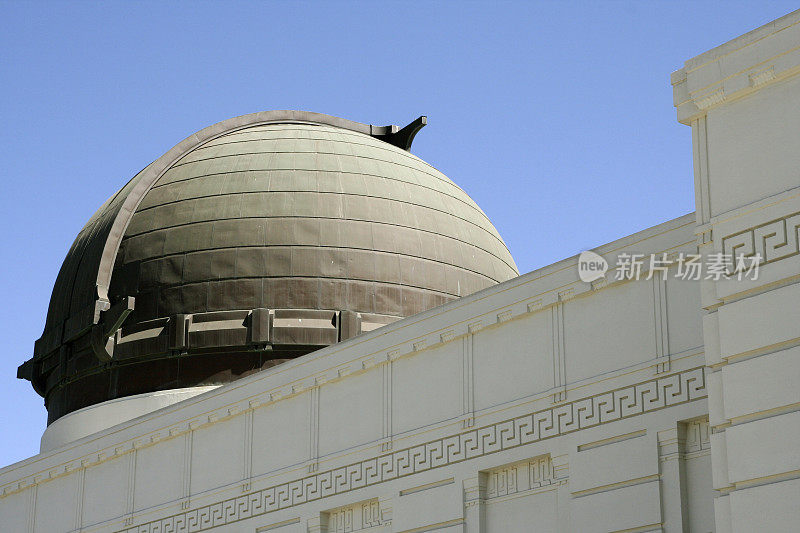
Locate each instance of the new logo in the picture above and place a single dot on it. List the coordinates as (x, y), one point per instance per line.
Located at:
(591, 266)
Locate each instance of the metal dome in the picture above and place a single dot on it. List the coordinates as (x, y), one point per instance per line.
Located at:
(256, 240)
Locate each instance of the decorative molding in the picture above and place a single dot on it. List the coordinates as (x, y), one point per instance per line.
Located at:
(520, 477)
(350, 518)
(762, 76)
(566, 294)
(427, 486)
(774, 240)
(369, 362)
(685, 440)
(504, 316)
(560, 466)
(276, 525)
(740, 66)
(610, 406)
(711, 98)
(386, 508)
(447, 336)
(599, 283)
(303, 385)
(619, 485)
(535, 305)
(474, 493)
(612, 440)
(694, 437)
(667, 440)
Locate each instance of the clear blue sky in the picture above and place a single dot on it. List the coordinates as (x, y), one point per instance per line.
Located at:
(556, 117)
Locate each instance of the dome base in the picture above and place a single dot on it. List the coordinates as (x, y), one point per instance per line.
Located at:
(94, 418)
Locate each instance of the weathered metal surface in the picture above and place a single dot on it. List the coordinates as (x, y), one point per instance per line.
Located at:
(260, 243)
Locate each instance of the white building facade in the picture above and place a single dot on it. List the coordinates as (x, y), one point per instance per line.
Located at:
(544, 403)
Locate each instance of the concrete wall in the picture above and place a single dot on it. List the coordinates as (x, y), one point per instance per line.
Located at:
(535, 402)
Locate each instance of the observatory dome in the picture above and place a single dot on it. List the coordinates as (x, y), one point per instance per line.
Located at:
(254, 241)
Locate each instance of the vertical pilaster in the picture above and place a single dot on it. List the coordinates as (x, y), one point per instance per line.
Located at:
(386, 509)
(673, 497)
(247, 467)
(474, 504)
(317, 523)
(702, 188)
(387, 433)
(710, 303)
(468, 379)
(563, 496)
(31, 521)
(129, 506)
(80, 478)
(188, 440)
(313, 438)
(559, 364)
(660, 320)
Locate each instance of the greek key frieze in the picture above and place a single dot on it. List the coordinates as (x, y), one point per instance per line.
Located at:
(583, 413)
(773, 240)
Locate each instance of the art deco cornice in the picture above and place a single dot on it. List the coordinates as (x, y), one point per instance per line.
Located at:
(737, 68)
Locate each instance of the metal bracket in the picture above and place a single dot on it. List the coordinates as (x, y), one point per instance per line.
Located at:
(110, 321)
(404, 137)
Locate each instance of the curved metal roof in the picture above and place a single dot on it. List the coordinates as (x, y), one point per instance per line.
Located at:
(81, 289)
(275, 212)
